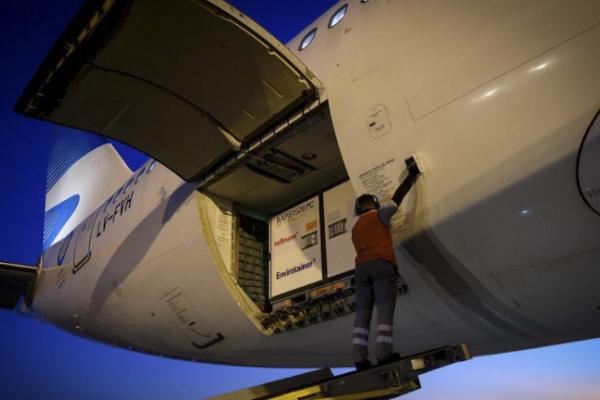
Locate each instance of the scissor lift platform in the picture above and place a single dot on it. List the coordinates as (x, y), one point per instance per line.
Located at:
(378, 383)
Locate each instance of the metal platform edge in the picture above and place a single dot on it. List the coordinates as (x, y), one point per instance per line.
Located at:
(379, 382)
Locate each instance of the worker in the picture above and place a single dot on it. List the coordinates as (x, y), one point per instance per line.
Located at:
(376, 272)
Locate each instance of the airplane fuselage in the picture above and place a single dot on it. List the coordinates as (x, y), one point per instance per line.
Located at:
(496, 242)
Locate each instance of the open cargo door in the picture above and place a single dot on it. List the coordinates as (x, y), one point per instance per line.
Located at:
(186, 82)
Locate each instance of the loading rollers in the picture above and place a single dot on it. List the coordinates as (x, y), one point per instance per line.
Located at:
(378, 383)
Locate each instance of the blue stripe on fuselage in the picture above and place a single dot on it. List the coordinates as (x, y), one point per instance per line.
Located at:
(57, 217)
(67, 146)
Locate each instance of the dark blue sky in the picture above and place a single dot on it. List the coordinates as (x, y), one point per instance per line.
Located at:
(40, 362)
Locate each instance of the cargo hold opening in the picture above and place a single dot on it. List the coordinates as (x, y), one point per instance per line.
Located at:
(281, 223)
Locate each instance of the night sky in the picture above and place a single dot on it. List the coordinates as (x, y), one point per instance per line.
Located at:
(38, 361)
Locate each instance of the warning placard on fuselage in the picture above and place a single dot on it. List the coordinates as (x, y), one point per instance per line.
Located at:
(295, 248)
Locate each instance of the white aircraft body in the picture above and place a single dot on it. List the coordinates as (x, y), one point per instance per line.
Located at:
(261, 150)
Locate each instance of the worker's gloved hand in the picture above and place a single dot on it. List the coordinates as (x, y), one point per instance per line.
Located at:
(412, 166)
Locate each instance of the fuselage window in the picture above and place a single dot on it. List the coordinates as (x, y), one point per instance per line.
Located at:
(337, 17)
(107, 203)
(128, 185)
(151, 167)
(118, 194)
(140, 175)
(307, 39)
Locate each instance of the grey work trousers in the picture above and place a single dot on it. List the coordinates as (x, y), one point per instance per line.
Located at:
(375, 283)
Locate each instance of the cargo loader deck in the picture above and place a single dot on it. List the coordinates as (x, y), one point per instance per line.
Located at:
(380, 382)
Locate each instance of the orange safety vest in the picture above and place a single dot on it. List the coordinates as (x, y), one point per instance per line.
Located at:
(372, 239)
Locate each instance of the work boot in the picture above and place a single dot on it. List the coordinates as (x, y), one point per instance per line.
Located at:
(363, 365)
(389, 359)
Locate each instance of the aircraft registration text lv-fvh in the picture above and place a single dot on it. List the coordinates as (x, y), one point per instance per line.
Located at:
(232, 244)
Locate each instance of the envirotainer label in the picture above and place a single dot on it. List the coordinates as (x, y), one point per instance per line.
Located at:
(295, 248)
